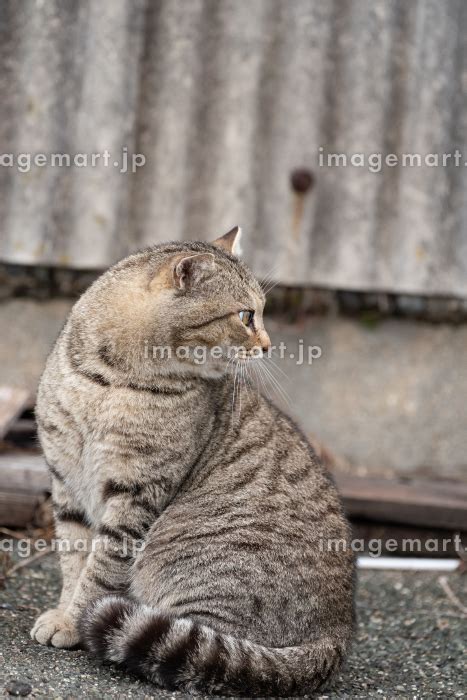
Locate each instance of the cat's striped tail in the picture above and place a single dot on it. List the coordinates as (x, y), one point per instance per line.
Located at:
(179, 654)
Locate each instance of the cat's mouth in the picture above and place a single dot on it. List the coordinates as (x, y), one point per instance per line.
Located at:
(244, 355)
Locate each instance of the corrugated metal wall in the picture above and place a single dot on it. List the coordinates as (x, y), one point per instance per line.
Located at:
(225, 98)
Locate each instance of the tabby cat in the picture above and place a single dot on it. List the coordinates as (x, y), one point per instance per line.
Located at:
(193, 532)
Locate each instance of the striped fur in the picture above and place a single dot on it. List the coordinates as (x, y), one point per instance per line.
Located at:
(176, 653)
(205, 504)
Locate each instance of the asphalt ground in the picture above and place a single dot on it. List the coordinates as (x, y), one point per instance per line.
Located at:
(410, 642)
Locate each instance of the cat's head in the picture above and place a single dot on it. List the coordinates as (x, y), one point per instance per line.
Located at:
(178, 307)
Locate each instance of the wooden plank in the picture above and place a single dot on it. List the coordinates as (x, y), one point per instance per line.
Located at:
(24, 484)
(26, 473)
(19, 509)
(23, 426)
(13, 401)
(407, 540)
(440, 504)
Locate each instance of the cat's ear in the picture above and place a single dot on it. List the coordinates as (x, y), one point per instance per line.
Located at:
(230, 241)
(192, 270)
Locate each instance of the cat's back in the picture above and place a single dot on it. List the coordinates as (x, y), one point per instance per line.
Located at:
(250, 518)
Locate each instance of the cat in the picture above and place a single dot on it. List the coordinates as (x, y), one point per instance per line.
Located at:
(193, 510)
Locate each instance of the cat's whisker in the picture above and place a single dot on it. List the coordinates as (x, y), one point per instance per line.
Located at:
(269, 275)
(259, 378)
(250, 389)
(274, 369)
(234, 388)
(230, 365)
(266, 279)
(246, 378)
(269, 388)
(270, 287)
(241, 384)
(260, 375)
(245, 381)
(277, 385)
(274, 364)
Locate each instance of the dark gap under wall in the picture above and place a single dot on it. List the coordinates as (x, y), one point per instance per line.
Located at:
(291, 303)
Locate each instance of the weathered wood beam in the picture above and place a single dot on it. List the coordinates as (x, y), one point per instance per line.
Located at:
(426, 503)
(13, 401)
(440, 504)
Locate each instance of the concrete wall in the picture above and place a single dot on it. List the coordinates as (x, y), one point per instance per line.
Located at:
(387, 398)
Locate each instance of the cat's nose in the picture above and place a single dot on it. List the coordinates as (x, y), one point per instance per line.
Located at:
(264, 341)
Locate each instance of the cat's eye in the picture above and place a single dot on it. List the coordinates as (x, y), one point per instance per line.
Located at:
(246, 317)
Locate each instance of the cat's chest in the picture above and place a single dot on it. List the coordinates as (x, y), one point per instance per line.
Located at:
(135, 443)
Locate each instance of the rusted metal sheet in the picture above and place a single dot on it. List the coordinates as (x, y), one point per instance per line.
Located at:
(230, 102)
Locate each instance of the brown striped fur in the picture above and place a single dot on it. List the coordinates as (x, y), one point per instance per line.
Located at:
(208, 521)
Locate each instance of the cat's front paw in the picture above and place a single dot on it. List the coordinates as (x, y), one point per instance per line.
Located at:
(55, 628)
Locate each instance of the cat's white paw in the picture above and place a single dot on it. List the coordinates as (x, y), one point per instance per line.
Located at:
(57, 628)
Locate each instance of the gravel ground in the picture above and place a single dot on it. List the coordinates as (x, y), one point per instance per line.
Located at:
(410, 643)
